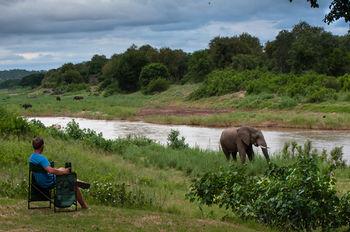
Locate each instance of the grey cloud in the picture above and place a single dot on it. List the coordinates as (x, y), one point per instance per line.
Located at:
(73, 31)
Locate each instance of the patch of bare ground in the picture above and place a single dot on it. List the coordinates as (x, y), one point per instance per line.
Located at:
(180, 111)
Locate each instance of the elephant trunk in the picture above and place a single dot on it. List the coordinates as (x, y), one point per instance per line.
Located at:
(266, 154)
(264, 147)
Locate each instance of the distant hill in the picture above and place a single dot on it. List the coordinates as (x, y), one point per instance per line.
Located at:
(15, 74)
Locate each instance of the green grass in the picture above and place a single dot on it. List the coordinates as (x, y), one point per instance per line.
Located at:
(15, 217)
(256, 110)
(166, 187)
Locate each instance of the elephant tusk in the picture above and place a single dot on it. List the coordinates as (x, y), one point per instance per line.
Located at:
(263, 147)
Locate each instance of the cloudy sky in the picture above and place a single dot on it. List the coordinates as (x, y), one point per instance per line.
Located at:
(43, 34)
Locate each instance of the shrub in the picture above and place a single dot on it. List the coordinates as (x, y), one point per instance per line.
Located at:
(113, 194)
(308, 87)
(286, 102)
(74, 131)
(175, 142)
(111, 89)
(11, 123)
(320, 94)
(76, 87)
(218, 83)
(345, 82)
(298, 196)
(156, 86)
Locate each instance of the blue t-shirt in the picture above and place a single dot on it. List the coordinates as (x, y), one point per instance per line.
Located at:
(44, 180)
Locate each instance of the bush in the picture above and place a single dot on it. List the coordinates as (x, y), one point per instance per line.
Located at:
(218, 83)
(156, 86)
(152, 72)
(308, 87)
(12, 124)
(111, 89)
(320, 94)
(175, 142)
(113, 194)
(299, 196)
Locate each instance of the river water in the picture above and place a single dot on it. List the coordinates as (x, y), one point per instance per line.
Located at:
(206, 138)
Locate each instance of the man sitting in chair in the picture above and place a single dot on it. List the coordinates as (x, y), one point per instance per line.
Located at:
(48, 180)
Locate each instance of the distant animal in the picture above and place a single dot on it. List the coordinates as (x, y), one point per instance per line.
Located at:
(77, 98)
(26, 105)
(240, 140)
(58, 98)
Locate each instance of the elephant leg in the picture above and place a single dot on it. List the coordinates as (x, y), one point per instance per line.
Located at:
(227, 153)
(250, 152)
(234, 155)
(242, 153)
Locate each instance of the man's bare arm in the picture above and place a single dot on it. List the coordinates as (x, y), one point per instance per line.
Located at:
(57, 171)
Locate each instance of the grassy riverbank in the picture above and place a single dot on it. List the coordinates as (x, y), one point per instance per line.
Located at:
(173, 107)
(152, 181)
(154, 193)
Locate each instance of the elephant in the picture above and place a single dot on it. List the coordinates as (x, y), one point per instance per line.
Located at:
(240, 140)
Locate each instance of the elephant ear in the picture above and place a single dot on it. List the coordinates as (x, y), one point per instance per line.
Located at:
(244, 135)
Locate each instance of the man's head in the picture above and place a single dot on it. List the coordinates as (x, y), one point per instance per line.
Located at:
(38, 144)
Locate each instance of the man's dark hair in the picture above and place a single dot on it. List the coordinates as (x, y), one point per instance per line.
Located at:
(37, 143)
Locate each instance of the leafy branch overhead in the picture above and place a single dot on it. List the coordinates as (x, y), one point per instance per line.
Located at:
(338, 9)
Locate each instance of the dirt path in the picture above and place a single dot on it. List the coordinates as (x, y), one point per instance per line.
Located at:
(180, 111)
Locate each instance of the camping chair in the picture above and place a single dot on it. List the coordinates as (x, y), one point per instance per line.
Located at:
(36, 193)
(64, 194)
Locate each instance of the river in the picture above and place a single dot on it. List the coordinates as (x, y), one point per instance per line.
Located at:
(206, 138)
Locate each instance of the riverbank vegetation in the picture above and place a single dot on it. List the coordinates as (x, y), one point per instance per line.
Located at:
(134, 177)
(173, 107)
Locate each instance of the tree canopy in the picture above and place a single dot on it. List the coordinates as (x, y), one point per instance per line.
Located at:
(338, 9)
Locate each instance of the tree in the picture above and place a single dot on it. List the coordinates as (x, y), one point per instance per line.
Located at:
(96, 64)
(128, 68)
(176, 62)
(32, 80)
(72, 76)
(224, 49)
(277, 51)
(153, 71)
(338, 9)
(151, 53)
(199, 65)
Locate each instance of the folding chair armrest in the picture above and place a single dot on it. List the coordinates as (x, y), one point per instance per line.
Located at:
(36, 168)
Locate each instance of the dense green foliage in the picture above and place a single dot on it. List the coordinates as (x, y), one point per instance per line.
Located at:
(224, 49)
(199, 65)
(152, 72)
(8, 84)
(156, 86)
(175, 142)
(308, 87)
(15, 74)
(32, 80)
(307, 48)
(298, 196)
(12, 124)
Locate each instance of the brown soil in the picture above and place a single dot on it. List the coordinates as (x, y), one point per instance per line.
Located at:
(180, 111)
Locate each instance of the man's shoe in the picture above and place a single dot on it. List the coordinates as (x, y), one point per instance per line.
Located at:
(83, 184)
